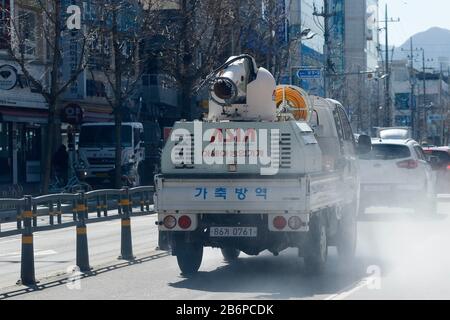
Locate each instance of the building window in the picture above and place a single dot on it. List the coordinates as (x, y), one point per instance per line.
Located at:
(95, 89)
(403, 121)
(27, 32)
(4, 24)
(100, 53)
(5, 153)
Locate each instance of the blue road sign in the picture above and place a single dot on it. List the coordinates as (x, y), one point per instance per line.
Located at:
(309, 73)
(435, 117)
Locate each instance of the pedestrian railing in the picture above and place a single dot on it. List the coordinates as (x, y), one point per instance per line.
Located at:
(12, 191)
(83, 208)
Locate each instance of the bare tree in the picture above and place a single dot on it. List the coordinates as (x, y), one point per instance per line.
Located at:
(53, 84)
(196, 41)
(261, 29)
(122, 28)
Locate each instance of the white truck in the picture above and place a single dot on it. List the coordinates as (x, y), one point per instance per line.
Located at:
(96, 148)
(259, 174)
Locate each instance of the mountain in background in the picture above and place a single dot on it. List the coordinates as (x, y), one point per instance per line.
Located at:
(435, 41)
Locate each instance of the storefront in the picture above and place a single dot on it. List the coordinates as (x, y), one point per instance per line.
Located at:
(23, 117)
(21, 133)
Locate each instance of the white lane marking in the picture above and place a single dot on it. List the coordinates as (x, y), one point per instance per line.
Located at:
(45, 253)
(37, 253)
(9, 241)
(351, 290)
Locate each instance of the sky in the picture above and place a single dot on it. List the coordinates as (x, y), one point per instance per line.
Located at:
(416, 16)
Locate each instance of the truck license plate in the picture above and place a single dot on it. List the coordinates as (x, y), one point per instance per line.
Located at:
(233, 232)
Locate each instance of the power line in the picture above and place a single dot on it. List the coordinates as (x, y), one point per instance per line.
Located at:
(326, 14)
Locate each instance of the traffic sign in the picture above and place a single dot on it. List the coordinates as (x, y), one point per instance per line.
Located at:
(309, 73)
(435, 117)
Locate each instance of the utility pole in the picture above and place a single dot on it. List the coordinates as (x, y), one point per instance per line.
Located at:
(387, 110)
(419, 115)
(388, 75)
(423, 114)
(442, 134)
(413, 84)
(326, 14)
(412, 81)
(360, 120)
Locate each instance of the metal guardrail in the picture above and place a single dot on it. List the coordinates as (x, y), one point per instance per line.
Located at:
(54, 206)
(126, 201)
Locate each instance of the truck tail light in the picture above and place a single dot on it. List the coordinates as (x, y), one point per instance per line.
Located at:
(279, 222)
(295, 223)
(170, 222)
(408, 164)
(184, 222)
(448, 167)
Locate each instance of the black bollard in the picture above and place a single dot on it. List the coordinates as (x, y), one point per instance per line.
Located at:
(82, 241)
(27, 272)
(126, 247)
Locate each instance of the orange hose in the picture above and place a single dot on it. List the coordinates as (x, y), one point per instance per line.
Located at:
(294, 99)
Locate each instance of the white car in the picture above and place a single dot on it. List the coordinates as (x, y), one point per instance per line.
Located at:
(396, 174)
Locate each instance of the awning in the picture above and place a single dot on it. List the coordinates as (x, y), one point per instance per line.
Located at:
(23, 115)
(97, 117)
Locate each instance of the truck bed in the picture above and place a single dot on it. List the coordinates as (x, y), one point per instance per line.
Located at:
(247, 196)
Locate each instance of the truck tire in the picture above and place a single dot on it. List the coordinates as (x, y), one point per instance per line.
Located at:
(347, 235)
(316, 249)
(230, 254)
(189, 257)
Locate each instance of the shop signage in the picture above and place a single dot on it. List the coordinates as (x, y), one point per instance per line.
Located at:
(8, 77)
(72, 114)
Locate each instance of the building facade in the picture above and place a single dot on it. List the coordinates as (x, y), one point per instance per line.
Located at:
(427, 114)
(353, 67)
(307, 52)
(23, 111)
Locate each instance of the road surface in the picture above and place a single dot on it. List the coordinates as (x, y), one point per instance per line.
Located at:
(400, 256)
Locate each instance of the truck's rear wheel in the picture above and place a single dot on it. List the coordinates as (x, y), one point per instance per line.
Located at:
(189, 257)
(347, 235)
(230, 254)
(316, 249)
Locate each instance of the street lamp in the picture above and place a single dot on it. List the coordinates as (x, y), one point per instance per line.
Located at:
(305, 34)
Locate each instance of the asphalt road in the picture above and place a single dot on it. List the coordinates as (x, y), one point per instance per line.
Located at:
(400, 256)
(55, 250)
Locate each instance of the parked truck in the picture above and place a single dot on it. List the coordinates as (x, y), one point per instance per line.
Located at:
(270, 168)
(96, 149)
